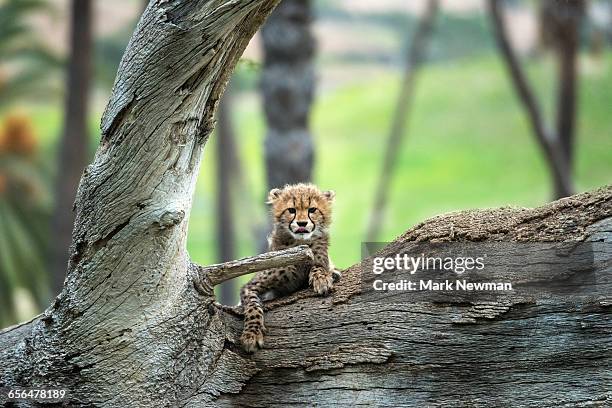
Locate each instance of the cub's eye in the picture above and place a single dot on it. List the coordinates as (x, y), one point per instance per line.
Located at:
(311, 210)
(291, 210)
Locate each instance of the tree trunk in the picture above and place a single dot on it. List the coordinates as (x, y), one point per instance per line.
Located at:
(287, 88)
(136, 324)
(416, 56)
(568, 17)
(226, 155)
(548, 140)
(128, 327)
(74, 143)
(287, 85)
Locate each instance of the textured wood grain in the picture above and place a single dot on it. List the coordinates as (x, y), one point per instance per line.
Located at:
(360, 348)
(222, 272)
(128, 328)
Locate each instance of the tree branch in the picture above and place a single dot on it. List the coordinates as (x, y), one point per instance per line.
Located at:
(356, 342)
(512, 348)
(544, 137)
(213, 275)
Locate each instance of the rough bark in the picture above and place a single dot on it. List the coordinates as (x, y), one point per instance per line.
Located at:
(74, 144)
(129, 282)
(355, 348)
(416, 55)
(131, 329)
(358, 348)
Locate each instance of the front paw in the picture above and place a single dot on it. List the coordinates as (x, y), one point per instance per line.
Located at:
(252, 339)
(321, 283)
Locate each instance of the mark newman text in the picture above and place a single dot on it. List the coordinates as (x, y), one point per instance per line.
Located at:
(447, 285)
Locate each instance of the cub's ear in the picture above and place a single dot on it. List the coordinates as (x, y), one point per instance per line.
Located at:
(329, 194)
(273, 195)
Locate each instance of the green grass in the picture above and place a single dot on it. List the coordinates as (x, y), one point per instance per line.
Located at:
(468, 145)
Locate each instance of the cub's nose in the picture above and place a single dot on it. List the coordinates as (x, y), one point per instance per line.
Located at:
(302, 223)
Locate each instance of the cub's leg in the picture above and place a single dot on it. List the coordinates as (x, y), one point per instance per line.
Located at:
(321, 279)
(279, 280)
(253, 331)
(322, 274)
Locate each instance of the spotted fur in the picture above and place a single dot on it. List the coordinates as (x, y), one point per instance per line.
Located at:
(302, 215)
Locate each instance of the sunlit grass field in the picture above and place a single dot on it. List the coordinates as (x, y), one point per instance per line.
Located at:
(467, 145)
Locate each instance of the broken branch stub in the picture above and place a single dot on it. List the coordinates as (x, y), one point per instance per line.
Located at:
(210, 276)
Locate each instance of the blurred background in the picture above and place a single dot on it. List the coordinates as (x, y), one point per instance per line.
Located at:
(407, 109)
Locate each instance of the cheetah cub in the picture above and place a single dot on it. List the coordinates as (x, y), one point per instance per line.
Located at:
(302, 215)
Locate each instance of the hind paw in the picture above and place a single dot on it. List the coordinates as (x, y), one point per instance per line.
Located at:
(252, 339)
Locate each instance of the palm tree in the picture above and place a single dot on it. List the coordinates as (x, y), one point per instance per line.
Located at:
(18, 45)
(24, 200)
(23, 217)
(287, 85)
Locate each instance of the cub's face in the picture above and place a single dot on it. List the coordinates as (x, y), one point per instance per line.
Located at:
(302, 210)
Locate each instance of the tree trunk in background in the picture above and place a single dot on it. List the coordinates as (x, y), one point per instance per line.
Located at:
(226, 157)
(567, 17)
(74, 143)
(287, 85)
(548, 140)
(416, 55)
